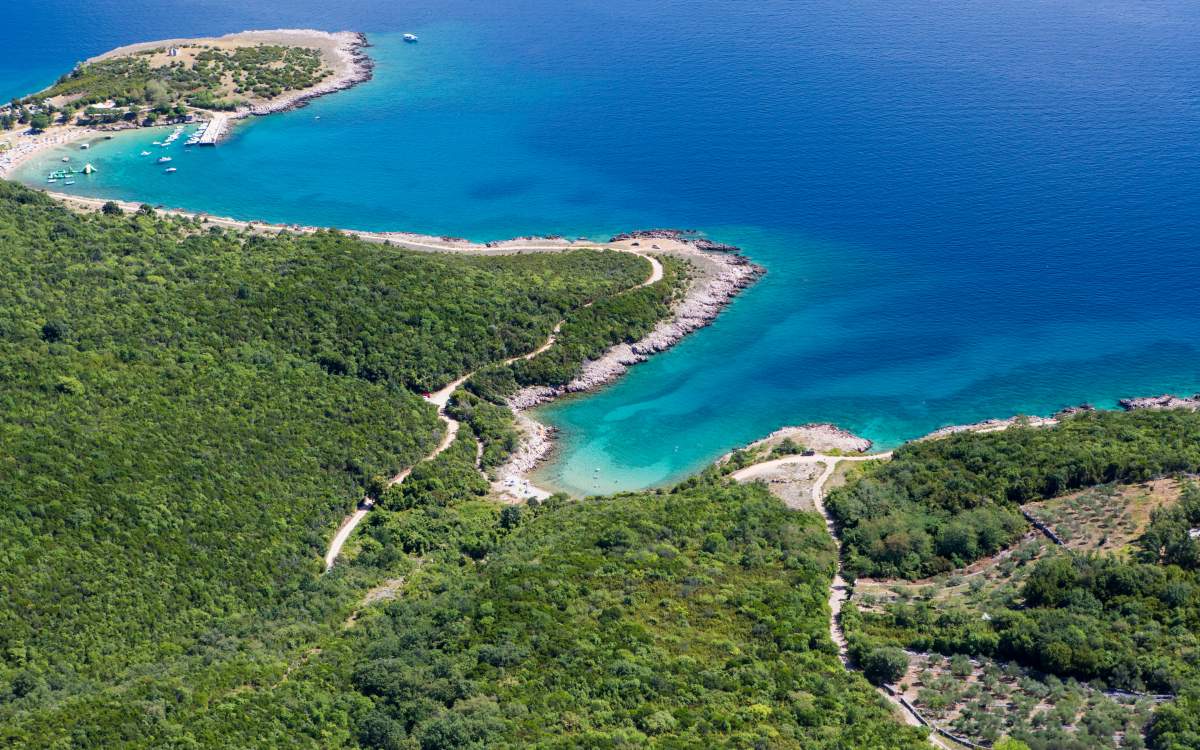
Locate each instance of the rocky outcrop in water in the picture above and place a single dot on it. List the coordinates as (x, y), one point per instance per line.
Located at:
(821, 437)
(689, 236)
(1071, 411)
(1165, 401)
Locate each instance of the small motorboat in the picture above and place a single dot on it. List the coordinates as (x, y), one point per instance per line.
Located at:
(85, 147)
(169, 170)
(69, 182)
(410, 38)
(164, 159)
(66, 158)
(156, 143)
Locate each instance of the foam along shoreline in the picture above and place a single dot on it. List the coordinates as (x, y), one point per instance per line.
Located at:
(343, 51)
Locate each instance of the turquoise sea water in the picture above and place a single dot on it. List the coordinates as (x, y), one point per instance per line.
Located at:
(966, 210)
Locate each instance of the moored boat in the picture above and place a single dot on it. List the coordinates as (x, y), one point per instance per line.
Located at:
(410, 38)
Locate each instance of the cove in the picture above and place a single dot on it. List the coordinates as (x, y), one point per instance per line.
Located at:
(965, 212)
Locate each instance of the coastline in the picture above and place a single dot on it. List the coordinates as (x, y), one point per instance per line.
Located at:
(353, 67)
(344, 51)
(722, 274)
(824, 437)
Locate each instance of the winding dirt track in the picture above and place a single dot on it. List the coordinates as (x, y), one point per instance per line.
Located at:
(441, 399)
(839, 592)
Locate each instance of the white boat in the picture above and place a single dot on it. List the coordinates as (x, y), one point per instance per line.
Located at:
(164, 159)
(410, 38)
(145, 153)
(66, 158)
(85, 146)
(69, 182)
(171, 169)
(157, 143)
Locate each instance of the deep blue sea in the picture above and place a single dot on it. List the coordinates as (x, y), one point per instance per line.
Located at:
(967, 209)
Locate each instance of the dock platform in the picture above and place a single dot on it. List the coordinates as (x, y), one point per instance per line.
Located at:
(214, 130)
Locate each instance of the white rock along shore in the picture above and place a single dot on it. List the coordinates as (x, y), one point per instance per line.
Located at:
(724, 278)
(342, 50)
(721, 275)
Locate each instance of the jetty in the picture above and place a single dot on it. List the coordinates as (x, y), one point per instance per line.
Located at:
(213, 131)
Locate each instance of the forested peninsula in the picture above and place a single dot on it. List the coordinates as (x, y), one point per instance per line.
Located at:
(191, 409)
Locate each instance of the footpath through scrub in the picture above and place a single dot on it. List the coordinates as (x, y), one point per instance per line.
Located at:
(441, 399)
(839, 592)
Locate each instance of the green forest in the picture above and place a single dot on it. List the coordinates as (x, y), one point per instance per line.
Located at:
(690, 618)
(189, 412)
(1126, 621)
(940, 504)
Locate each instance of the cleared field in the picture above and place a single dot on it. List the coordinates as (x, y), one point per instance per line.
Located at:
(983, 700)
(976, 586)
(1106, 518)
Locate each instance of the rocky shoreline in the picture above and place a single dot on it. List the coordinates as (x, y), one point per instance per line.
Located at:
(1158, 403)
(537, 442)
(353, 66)
(1140, 403)
(989, 425)
(360, 68)
(822, 437)
(728, 274)
(724, 273)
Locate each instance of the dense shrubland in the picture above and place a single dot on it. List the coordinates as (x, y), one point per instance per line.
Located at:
(188, 414)
(694, 618)
(216, 79)
(586, 333)
(939, 504)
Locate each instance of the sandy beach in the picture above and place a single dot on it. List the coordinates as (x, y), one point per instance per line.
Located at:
(342, 52)
(26, 145)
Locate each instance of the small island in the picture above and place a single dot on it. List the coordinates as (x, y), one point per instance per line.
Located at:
(179, 81)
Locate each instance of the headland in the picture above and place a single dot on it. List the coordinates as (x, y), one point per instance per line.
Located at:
(208, 81)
